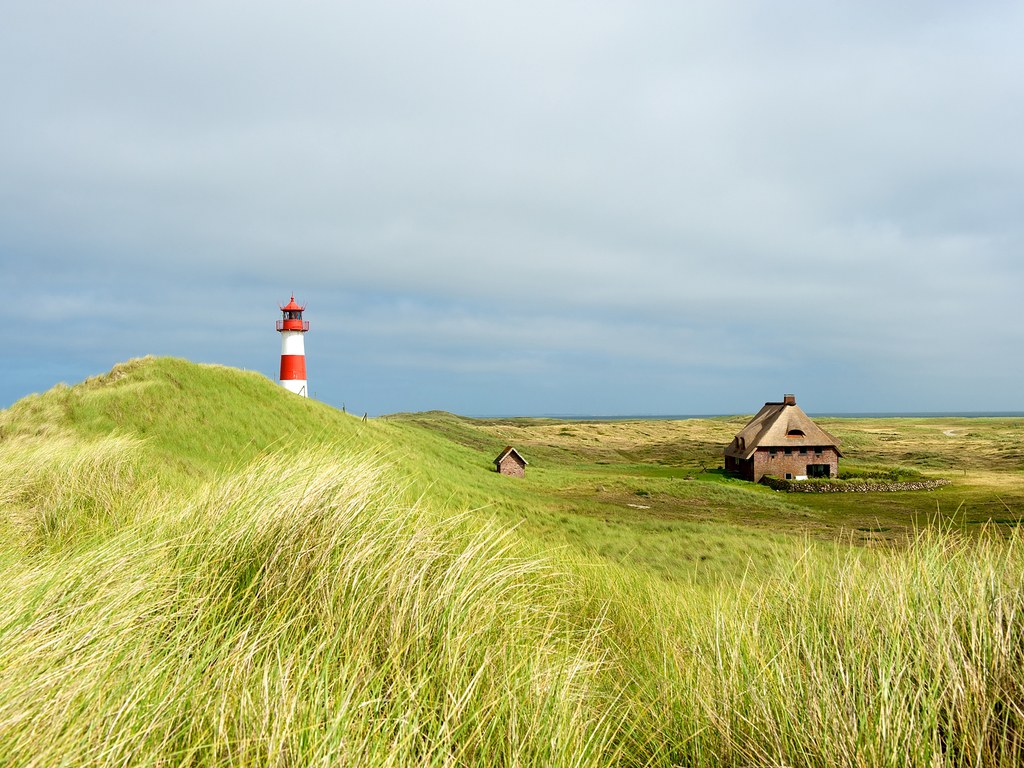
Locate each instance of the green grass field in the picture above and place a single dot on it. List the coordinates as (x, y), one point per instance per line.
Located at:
(202, 569)
(652, 493)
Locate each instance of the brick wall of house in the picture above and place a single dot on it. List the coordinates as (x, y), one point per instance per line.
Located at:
(509, 466)
(780, 464)
(742, 467)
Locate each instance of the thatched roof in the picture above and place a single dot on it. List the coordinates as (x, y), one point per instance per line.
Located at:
(509, 449)
(779, 425)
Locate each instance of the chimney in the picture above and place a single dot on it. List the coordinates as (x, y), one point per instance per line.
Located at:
(789, 399)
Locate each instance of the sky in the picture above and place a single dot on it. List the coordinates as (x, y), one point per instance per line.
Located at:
(523, 208)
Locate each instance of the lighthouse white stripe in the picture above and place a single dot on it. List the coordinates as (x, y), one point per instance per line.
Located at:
(292, 343)
(296, 385)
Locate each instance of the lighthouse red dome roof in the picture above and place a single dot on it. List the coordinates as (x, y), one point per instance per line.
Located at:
(291, 306)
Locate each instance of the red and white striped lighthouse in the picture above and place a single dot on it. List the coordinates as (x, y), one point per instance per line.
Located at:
(293, 351)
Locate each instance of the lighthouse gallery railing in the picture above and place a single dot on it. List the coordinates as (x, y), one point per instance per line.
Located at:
(293, 325)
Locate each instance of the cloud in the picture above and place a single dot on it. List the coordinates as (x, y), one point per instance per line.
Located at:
(707, 187)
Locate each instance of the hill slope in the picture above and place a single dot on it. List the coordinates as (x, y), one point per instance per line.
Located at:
(195, 418)
(196, 421)
(203, 569)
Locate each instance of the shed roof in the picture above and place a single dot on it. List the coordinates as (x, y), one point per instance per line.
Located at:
(779, 425)
(509, 449)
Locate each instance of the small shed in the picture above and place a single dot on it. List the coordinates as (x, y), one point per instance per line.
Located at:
(510, 462)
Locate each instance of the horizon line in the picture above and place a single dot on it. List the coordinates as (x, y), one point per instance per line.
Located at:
(818, 414)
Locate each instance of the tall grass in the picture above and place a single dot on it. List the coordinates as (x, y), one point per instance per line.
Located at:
(296, 614)
(57, 490)
(287, 607)
(912, 658)
(302, 612)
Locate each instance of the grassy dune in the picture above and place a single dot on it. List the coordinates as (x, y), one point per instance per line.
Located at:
(201, 569)
(288, 615)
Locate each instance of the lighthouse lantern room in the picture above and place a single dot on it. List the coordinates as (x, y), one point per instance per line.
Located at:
(293, 353)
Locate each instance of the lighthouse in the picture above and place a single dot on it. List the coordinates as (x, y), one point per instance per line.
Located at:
(293, 352)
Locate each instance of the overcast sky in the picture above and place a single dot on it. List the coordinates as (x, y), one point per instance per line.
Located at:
(523, 207)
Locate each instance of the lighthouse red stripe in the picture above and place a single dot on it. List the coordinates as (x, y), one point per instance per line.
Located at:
(293, 367)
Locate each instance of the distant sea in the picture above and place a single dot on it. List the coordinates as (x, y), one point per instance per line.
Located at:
(826, 415)
(927, 415)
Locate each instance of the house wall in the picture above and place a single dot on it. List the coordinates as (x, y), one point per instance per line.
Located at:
(795, 463)
(509, 466)
(742, 467)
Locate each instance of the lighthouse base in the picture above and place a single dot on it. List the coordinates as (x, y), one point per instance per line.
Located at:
(298, 386)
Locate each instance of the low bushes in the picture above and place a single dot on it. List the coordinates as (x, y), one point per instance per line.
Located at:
(838, 485)
(880, 474)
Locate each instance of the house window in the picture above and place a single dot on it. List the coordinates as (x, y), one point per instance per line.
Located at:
(789, 451)
(817, 451)
(789, 475)
(803, 451)
(795, 433)
(773, 451)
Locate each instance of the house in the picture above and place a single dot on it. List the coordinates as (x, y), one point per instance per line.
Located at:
(510, 462)
(782, 441)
